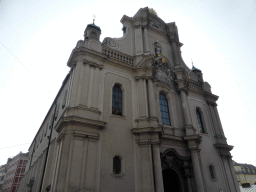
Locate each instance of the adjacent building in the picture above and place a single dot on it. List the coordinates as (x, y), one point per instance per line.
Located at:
(2, 174)
(15, 170)
(246, 173)
(131, 116)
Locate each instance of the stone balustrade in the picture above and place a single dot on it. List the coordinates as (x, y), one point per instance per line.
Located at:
(117, 55)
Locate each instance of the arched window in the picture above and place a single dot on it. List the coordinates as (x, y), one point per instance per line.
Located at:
(211, 172)
(200, 121)
(117, 100)
(116, 165)
(164, 110)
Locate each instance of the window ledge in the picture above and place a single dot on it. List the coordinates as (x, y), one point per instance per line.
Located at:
(118, 176)
(118, 116)
(167, 126)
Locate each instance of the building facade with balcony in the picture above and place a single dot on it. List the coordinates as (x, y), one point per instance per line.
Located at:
(15, 170)
(131, 116)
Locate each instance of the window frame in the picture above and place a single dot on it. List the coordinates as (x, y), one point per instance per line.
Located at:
(117, 165)
(121, 174)
(167, 107)
(213, 172)
(123, 101)
(202, 122)
(21, 171)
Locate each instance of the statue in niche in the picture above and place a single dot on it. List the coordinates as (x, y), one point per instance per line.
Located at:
(162, 70)
(158, 49)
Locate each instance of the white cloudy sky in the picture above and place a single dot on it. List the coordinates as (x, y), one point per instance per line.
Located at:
(37, 37)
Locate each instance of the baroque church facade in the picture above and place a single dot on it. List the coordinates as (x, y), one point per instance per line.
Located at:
(131, 116)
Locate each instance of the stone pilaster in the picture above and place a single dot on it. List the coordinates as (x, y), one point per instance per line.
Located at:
(91, 164)
(157, 168)
(146, 167)
(150, 161)
(152, 101)
(146, 42)
(175, 53)
(193, 142)
(63, 162)
(138, 39)
(142, 98)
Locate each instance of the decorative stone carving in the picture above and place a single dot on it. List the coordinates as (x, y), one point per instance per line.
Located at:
(175, 143)
(158, 49)
(154, 24)
(162, 72)
(193, 76)
(110, 43)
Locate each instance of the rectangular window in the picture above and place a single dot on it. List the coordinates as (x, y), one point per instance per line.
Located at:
(116, 165)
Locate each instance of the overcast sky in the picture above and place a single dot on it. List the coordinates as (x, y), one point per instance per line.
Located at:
(37, 37)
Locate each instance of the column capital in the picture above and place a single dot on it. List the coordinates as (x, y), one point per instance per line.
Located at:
(155, 143)
(92, 64)
(224, 149)
(60, 138)
(194, 149)
(93, 138)
(79, 135)
(193, 142)
(144, 143)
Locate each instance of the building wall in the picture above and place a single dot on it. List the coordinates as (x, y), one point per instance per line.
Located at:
(15, 170)
(79, 137)
(246, 173)
(2, 175)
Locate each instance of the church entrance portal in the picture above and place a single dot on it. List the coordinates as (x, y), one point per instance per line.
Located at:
(171, 181)
(176, 171)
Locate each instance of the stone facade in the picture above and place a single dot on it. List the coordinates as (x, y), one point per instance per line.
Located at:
(131, 116)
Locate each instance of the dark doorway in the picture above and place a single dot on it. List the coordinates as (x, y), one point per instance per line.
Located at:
(171, 181)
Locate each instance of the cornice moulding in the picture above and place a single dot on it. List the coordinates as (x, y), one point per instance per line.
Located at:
(83, 51)
(78, 120)
(172, 137)
(146, 130)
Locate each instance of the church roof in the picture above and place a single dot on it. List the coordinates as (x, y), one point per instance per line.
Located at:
(245, 165)
(195, 69)
(93, 26)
